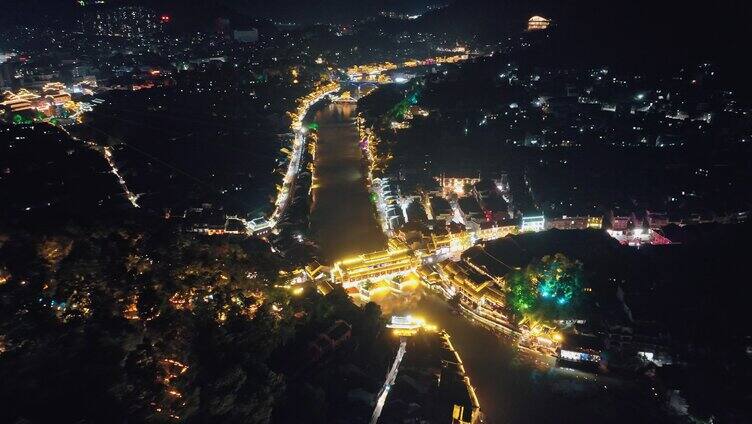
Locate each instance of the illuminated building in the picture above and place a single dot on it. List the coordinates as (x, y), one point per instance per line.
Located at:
(476, 286)
(595, 222)
(388, 203)
(429, 276)
(345, 97)
(259, 225)
(315, 270)
(416, 111)
(581, 348)
(408, 325)
(619, 223)
(208, 229)
(494, 230)
(575, 222)
(382, 264)
(450, 243)
(58, 99)
(439, 244)
(451, 59)
(406, 322)
(369, 71)
(53, 87)
(537, 23)
(54, 102)
(538, 335)
(639, 236)
(456, 185)
(20, 101)
(533, 223)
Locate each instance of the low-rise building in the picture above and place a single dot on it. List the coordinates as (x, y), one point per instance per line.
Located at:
(330, 340)
(460, 186)
(476, 286)
(440, 209)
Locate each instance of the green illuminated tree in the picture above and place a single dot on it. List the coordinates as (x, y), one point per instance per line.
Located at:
(547, 287)
(522, 296)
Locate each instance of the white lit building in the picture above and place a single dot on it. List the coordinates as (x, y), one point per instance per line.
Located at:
(533, 223)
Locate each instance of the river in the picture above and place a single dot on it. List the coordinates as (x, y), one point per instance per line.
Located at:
(516, 387)
(343, 219)
(512, 387)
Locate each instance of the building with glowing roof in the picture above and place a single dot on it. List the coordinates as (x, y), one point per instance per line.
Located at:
(537, 23)
(394, 261)
(20, 101)
(474, 284)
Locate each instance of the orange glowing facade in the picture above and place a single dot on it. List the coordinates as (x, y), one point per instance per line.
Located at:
(538, 23)
(20, 101)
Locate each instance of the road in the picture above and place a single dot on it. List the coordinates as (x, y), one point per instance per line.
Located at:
(390, 379)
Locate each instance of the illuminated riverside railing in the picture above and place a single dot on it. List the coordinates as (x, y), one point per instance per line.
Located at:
(474, 403)
(283, 193)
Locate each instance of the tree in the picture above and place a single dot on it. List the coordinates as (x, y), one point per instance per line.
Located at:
(548, 286)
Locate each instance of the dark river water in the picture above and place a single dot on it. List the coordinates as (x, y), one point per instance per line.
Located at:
(343, 220)
(515, 387)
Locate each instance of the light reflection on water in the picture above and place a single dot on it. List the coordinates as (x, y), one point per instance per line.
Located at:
(342, 216)
(518, 387)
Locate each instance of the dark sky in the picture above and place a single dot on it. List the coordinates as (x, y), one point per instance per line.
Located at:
(707, 16)
(681, 30)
